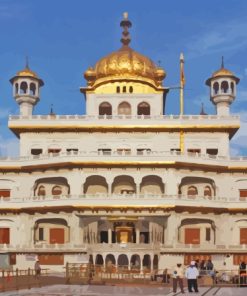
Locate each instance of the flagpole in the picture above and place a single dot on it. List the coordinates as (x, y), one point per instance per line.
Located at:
(182, 82)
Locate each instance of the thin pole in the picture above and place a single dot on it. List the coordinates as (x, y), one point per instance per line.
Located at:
(182, 83)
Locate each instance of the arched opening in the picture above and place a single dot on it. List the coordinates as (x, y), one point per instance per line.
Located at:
(123, 185)
(110, 263)
(41, 191)
(23, 88)
(152, 185)
(131, 89)
(51, 230)
(124, 89)
(192, 191)
(216, 88)
(99, 262)
(135, 262)
(155, 262)
(123, 262)
(224, 87)
(190, 185)
(207, 191)
(56, 190)
(146, 262)
(124, 108)
(118, 89)
(143, 109)
(32, 89)
(196, 231)
(95, 185)
(105, 108)
(50, 183)
(232, 87)
(16, 88)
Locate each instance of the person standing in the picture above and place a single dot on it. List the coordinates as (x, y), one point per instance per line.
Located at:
(191, 275)
(37, 269)
(178, 276)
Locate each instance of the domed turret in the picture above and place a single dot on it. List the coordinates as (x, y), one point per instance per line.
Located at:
(26, 85)
(222, 89)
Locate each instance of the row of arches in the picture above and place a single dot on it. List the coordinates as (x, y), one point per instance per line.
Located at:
(25, 88)
(223, 88)
(125, 184)
(124, 108)
(122, 261)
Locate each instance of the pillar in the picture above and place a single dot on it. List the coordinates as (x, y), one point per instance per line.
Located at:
(109, 235)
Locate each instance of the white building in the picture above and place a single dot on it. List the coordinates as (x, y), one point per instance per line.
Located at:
(123, 183)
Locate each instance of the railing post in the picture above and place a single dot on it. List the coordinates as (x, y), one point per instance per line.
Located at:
(67, 273)
(16, 278)
(3, 285)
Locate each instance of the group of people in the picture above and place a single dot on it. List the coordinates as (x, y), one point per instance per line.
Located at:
(191, 274)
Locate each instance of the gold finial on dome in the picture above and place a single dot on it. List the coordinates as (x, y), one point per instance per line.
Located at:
(125, 24)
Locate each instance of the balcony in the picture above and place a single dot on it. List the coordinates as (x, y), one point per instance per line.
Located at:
(146, 157)
(126, 247)
(203, 248)
(19, 123)
(122, 200)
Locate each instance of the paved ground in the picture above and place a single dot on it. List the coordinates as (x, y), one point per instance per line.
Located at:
(86, 290)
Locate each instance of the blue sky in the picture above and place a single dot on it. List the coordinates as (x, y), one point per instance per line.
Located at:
(63, 38)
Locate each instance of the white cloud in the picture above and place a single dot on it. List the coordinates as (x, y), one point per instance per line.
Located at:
(9, 147)
(228, 37)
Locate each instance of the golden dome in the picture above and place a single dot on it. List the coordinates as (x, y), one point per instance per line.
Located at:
(222, 72)
(27, 73)
(126, 64)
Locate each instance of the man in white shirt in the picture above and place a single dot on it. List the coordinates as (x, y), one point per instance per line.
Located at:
(191, 275)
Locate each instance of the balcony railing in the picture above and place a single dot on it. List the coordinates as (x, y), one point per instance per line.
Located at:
(130, 155)
(122, 247)
(125, 200)
(122, 117)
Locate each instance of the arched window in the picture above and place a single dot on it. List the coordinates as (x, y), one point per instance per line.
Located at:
(118, 89)
(105, 108)
(124, 89)
(143, 109)
(32, 89)
(224, 87)
(56, 190)
(192, 190)
(216, 88)
(131, 89)
(23, 87)
(41, 191)
(124, 108)
(16, 88)
(232, 87)
(207, 191)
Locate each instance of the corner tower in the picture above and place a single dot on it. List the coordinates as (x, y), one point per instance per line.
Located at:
(125, 82)
(222, 89)
(26, 90)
